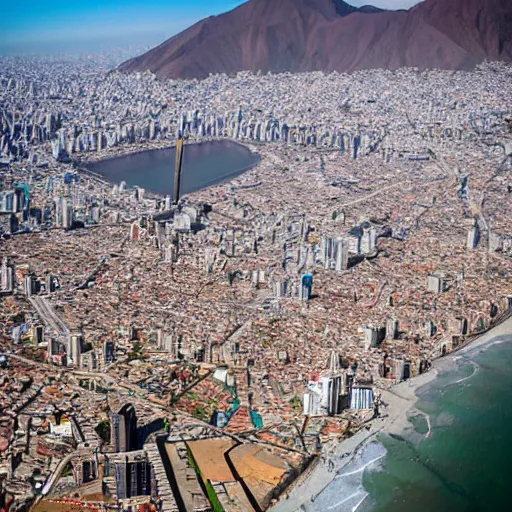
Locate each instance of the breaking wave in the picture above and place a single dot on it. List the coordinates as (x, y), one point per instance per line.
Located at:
(473, 373)
(346, 492)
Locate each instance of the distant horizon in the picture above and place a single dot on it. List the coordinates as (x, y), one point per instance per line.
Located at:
(100, 26)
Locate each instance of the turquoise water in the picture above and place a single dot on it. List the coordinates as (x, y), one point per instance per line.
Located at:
(456, 456)
(465, 464)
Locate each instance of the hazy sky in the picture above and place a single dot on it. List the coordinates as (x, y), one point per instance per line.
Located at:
(88, 25)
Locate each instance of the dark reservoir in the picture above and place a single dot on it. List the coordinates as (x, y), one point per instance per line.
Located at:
(204, 165)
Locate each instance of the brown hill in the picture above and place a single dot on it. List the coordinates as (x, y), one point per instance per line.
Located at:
(308, 35)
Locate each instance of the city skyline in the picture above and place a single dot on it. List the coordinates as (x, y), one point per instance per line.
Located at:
(57, 27)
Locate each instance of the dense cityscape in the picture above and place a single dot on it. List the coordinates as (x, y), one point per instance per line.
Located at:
(205, 351)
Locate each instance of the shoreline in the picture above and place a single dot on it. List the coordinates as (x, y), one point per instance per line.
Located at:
(134, 149)
(82, 166)
(400, 400)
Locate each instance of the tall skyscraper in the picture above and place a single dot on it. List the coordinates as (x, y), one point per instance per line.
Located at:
(52, 283)
(335, 394)
(108, 352)
(75, 351)
(177, 169)
(29, 285)
(306, 287)
(368, 240)
(63, 212)
(341, 254)
(134, 479)
(326, 248)
(391, 329)
(123, 427)
(6, 277)
(473, 237)
(8, 202)
(134, 230)
(39, 334)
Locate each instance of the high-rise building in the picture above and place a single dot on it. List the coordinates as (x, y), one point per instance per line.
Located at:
(63, 212)
(495, 242)
(67, 213)
(75, 352)
(335, 394)
(306, 287)
(182, 222)
(374, 336)
(121, 479)
(437, 283)
(391, 329)
(134, 479)
(108, 352)
(341, 252)
(134, 230)
(473, 237)
(39, 334)
(361, 398)
(354, 242)
(52, 283)
(89, 471)
(328, 395)
(8, 202)
(314, 402)
(22, 193)
(177, 170)
(123, 428)
(95, 214)
(29, 285)
(326, 250)
(6, 277)
(277, 288)
(139, 194)
(368, 240)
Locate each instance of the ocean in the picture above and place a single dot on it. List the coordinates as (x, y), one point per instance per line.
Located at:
(454, 457)
(204, 165)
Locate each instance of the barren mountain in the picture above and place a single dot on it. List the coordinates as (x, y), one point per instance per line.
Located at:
(308, 35)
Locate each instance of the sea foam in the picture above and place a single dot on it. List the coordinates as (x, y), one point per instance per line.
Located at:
(346, 492)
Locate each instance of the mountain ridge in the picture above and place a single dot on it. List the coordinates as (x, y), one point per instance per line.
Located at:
(332, 35)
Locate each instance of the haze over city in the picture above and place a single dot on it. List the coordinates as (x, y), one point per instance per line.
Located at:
(80, 27)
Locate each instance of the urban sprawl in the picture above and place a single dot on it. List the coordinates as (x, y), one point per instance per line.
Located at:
(201, 354)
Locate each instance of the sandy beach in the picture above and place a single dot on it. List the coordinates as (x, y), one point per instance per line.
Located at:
(399, 403)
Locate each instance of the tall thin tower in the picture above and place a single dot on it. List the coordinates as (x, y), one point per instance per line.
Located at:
(177, 169)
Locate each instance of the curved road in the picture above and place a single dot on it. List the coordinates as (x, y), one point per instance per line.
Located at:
(58, 471)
